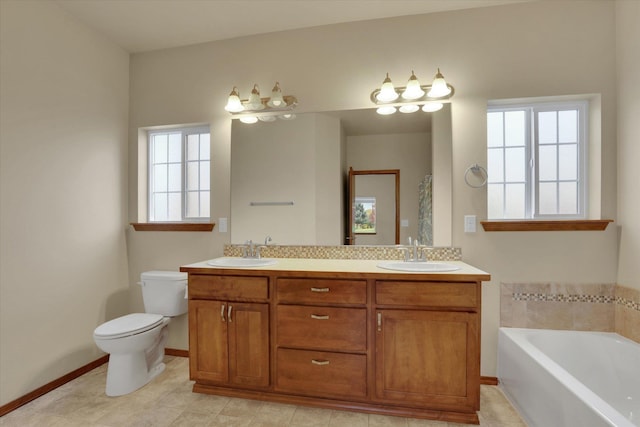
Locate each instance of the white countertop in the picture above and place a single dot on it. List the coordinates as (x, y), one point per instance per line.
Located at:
(340, 265)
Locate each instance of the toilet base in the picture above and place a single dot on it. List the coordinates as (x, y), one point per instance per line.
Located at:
(127, 372)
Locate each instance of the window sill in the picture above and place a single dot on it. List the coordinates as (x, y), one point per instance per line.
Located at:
(559, 225)
(173, 226)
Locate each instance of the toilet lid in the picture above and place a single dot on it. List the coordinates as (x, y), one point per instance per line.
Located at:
(128, 325)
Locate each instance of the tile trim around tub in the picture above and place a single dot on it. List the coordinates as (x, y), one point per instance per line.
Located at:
(561, 297)
(591, 307)
(634, 305)
(525, 296)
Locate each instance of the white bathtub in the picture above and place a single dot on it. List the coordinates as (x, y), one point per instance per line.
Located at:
(570, 378)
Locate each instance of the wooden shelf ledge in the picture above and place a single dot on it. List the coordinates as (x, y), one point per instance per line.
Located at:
(556, 225)
(173, 226)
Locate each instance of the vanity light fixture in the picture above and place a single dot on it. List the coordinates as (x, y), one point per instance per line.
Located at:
(413, 97)
(234, 105)
(387, 92)
(264, 109)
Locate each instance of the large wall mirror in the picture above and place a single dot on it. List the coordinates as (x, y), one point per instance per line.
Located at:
(290, 178)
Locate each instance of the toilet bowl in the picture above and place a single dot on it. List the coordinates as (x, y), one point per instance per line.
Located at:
(135, 342)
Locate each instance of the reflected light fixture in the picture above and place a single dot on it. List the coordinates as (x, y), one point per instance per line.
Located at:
(409, 108)
(413, 97)
(264, 109)
(430, 107)
(385, 110)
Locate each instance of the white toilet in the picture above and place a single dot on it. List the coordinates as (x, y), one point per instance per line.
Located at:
(135, 342)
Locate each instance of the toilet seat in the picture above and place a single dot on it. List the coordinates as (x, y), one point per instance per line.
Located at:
(130, 324)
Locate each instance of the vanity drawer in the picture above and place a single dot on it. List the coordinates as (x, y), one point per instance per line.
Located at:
(317, 373)
(325, 328)
(228, 287)
(429, 294)
(321, 291)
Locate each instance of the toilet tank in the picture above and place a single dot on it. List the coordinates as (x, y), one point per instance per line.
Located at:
(164, 292)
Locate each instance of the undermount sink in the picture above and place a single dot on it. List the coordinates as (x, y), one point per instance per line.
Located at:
(236, 262)
(418, 266)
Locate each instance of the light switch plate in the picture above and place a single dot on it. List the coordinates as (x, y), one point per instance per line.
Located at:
(469, 223)
(222, 225)
(404, 223)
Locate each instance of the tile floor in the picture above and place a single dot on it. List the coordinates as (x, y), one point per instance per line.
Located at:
(168, 401)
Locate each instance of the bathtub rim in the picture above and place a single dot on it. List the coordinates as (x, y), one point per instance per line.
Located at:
(566, 379)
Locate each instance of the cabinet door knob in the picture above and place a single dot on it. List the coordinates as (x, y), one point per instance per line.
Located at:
(320, 316)
(319, 362)
(319, 289)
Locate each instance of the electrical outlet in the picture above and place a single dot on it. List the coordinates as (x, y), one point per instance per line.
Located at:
(469, 223)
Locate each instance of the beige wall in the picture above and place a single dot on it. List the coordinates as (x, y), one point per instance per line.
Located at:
(628, 70)
(63, 186)
(523, 50)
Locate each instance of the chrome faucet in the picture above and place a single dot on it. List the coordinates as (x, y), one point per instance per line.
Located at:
(250, 250)
(414, 248)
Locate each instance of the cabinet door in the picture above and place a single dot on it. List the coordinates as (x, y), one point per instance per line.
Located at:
(248, 344)
(208, 349)
(427, 358)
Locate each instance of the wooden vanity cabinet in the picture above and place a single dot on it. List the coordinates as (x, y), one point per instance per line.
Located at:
(388, 343)
(228, 336)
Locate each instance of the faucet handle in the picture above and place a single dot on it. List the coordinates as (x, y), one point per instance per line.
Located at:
(423, 252)
(258, 249)
(405, 250)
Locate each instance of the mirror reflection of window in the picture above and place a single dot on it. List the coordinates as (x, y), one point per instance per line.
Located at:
(364, 215)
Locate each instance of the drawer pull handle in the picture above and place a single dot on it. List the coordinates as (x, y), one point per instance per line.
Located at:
(229, 313)
(319, 289)
(319, 362)
(222, 313)
(320, 316)
(379, 316)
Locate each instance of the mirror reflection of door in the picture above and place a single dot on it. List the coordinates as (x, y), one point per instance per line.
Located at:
(374, 214)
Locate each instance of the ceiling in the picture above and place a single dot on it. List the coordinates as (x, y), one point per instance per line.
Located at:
(145, 25)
